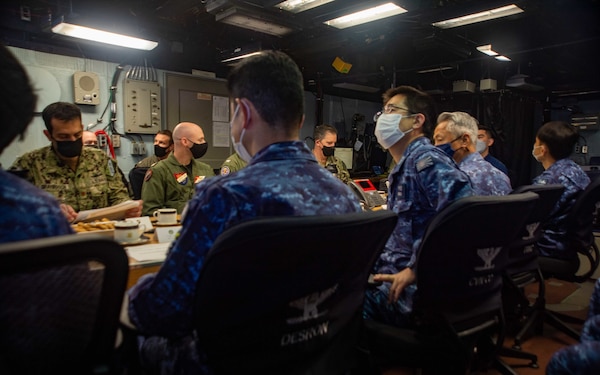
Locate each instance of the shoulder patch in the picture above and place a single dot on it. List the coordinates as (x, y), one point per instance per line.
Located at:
(424, 163)
(225, 171)
(148, 175)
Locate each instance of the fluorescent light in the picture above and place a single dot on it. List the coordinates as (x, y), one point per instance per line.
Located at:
(241, 57)
(297, 6)
(441, 68)
(502, 58)
(367, 15)
(479, 17)
(487, 49)
(96, 35)
(238, 17)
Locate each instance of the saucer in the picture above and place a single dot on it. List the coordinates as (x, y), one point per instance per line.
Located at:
(139, 241)
(157, 224)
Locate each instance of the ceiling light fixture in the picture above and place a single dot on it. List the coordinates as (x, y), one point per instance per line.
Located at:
(441, 68)
(487, 49)
(241, 18)
(367, 15)
(297, 6)
(82, 32)
(236, 58)
(485, 15)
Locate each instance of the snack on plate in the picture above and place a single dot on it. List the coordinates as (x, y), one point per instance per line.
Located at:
(103, 224)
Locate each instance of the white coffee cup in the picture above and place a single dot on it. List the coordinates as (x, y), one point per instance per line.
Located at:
(128, 231)
(166, 216)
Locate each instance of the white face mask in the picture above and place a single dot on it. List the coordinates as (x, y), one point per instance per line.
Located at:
(387, 129)
(480, 146)
(533, 153)
(238, 146)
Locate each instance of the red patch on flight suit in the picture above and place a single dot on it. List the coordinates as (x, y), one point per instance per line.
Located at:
(198, 179)
(181, 178)
(148, 175)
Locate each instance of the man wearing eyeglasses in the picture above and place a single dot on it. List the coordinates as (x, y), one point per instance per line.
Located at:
(424, 181)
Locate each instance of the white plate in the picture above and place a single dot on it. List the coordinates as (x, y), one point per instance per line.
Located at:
(139, 241)
(105, 232)
(157, 224)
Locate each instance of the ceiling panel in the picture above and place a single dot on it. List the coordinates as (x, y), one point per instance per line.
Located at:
(553, 42)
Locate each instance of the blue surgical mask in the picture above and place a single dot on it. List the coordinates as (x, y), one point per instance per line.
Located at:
(238, 146)
(447, 148)
(387, 129)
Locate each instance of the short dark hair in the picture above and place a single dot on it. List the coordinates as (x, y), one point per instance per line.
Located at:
(417, 101)
(560, 137)
(272, 81)
(63, 111)
(321, 130)
(17, 98)
(168, 133)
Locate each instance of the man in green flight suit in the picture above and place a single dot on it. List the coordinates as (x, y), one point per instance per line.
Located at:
(232, 164)
(171, 182)
(81, 178)
(325, 137)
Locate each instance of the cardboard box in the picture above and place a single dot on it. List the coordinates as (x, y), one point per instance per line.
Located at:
(487, 84)
(463, 86)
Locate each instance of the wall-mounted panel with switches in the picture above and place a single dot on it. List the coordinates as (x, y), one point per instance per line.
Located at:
(142, 106)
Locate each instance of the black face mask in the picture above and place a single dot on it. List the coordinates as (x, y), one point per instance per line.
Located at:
(160, 151)
(69, 149)
(328, 151)
(199, 149)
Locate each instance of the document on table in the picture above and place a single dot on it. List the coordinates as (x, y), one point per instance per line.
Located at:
(149, 253)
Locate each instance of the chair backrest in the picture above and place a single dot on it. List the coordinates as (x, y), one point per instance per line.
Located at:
(522, 248)
(580, 219)
(60, 301)
(283, 294)
(462, 257)
(136, 180)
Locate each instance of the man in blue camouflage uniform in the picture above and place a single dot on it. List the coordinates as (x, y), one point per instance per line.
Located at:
(27, 211)
(282, 178)
(81, 178)
(554, 144)
(424, 181)
(170, 183)
(486, 140)
(582, 358)
(459, 129)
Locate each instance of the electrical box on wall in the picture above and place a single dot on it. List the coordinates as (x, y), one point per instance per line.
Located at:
(142, 106)
(86, 88)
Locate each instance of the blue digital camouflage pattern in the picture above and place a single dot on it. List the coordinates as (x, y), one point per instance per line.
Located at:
(28, 212)
(284, 179)
(567, 173)
(485, 178)
(496, 163)
(582, 358)
(424, 181)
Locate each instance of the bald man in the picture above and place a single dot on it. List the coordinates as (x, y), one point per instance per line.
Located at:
(171, 182)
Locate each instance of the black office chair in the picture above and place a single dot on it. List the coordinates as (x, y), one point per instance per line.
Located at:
(457, 308)
(579, 232)
(284, 295)
(136, 180)
(60, 301)
(522, 268)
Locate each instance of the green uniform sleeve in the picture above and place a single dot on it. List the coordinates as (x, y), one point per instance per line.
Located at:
(117, 191)
(153, 191)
